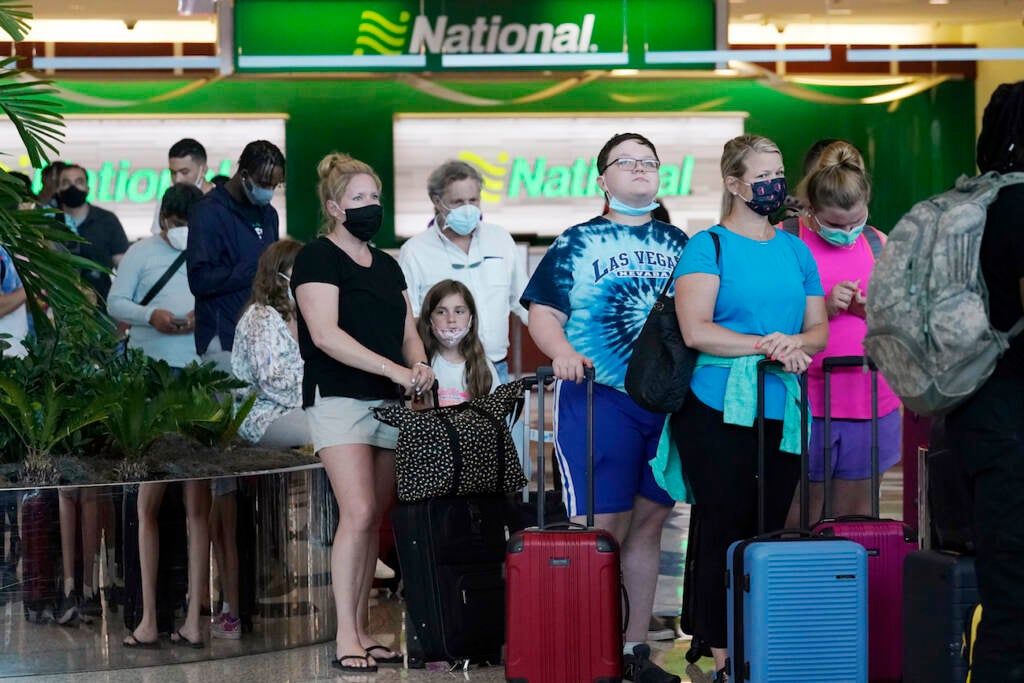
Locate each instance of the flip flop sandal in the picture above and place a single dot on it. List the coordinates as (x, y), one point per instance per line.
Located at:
(182, 641)
(340, 664)
(133, 642)
(393, 659)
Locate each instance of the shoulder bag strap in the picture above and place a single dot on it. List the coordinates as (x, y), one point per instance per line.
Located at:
(874, 240)
(159, 284)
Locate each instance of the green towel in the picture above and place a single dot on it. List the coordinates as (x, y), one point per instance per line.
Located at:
(668, 468)
(741, 396)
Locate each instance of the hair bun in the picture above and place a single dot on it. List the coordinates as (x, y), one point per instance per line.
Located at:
(337, 160)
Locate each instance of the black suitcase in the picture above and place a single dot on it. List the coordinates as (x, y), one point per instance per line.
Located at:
(452, 552)
(938, 590)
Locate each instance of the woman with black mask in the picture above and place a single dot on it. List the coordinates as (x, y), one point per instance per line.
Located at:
(361, 350)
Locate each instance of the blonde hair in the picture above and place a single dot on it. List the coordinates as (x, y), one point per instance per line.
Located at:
(734, 161)
(335, 171)
(838, 179)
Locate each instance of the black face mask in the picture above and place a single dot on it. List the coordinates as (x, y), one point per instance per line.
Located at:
(364, 222)
(72, 197)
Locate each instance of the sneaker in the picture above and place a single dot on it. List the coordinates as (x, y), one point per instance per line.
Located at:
(639, 668)
(67, 609)
(90, 608)
(661, 629)
(226, 626)
(699, 676)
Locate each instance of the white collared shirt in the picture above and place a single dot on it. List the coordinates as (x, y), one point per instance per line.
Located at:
(492, 270)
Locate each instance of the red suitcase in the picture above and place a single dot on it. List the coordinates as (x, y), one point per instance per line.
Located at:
(887, 541)
(563, 590)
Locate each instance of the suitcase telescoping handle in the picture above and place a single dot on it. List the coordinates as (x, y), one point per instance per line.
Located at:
(544, 375)
(828, 366)
(762, 370)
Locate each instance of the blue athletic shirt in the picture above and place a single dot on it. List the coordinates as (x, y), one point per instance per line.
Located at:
(606, 277)
(763, 288)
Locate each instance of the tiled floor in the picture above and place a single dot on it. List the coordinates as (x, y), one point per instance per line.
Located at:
(313, 662)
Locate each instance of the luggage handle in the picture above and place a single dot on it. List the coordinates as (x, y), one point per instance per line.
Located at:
(828, 365)
(762, 369)
(801, 533)
(546, 374)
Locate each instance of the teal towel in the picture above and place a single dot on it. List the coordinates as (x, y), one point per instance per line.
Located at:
(741, 396)
(668, 468)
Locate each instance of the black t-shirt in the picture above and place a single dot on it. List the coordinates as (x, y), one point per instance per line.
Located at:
(1002, 264)
(106, 239)
(371, 309)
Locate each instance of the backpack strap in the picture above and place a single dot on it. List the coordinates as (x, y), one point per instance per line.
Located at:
(718, 256)
(791, 224)
(874, 240)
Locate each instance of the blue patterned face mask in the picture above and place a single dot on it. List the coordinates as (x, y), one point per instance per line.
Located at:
(767, 196)
(256, 194)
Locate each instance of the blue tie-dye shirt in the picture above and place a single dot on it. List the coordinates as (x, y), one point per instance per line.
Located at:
(606, 277)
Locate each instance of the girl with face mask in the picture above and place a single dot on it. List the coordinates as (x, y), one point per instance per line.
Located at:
(834, 226)
(448, 328)
(752, 294)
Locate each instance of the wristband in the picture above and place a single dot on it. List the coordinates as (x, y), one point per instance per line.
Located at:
(424, 364)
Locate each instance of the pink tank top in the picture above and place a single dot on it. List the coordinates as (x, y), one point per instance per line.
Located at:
(851, 388)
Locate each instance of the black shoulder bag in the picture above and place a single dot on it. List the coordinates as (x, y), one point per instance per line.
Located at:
(658, 374)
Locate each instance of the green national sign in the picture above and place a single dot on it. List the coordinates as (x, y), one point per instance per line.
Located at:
(435, 35)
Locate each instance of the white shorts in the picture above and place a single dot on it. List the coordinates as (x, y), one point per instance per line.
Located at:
(340, 421)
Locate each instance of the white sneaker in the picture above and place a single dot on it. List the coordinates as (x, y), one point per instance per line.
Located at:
(383, 571)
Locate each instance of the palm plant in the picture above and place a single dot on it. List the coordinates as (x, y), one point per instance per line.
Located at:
(49, 274)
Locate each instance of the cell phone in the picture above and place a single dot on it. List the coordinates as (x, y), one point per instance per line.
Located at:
(180, 322)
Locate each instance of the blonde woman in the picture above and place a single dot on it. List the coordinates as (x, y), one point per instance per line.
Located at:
(361, 350)
(754, 294)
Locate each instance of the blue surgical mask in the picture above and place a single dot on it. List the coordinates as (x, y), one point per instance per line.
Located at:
(766, 196)
(260, 196)
(625, 209)
(838, 236)
(463, 219)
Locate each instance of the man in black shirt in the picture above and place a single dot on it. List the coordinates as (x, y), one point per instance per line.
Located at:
(106, 243)
(988, 430)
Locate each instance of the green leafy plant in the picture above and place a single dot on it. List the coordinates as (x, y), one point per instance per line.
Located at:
(43, 420)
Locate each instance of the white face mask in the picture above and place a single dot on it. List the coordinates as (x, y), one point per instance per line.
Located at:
(178, 237)
(449, 337)
(291, 297)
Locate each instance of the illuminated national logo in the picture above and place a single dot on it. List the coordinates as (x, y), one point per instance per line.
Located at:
(530, 178)
(494, 174)
(381, 36)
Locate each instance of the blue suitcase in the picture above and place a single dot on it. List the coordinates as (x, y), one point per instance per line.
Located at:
(797, 603)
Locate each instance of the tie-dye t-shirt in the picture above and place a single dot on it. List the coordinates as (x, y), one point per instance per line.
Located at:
(606, 277)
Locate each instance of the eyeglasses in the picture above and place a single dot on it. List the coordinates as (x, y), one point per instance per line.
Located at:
(457, 266)
(627, 164)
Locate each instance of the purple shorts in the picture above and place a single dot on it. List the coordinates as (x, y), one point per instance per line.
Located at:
(851, 446)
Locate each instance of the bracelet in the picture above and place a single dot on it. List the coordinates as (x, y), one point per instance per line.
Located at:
(424, 364)
(384, 369)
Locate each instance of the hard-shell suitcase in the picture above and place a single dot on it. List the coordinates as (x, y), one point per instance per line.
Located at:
(796, 602)
(887, 541)
(563, 599)
(451, 552)
(939, 589)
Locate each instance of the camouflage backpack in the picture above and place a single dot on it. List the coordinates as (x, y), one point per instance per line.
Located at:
(927, 308)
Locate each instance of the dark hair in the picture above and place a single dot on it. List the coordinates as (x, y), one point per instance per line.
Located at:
(187, 147)
(268, 288)
(70, 167)
(1001, 143)
(260, 155)
(179, 199)
(219, 180)
(53, 169)
(617, 139)
(25, 180)
(477, 374)
(814, 153)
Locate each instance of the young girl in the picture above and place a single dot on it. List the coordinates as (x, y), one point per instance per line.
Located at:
(448, 327)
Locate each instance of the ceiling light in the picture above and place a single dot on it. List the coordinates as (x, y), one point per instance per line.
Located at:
(938, 2)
